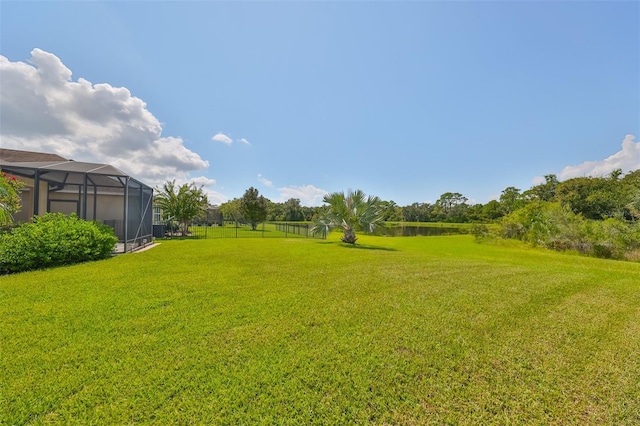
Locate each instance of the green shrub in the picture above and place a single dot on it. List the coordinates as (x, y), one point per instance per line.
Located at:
(53, 240)
(555, 226)
(480, 231)
(614, 238)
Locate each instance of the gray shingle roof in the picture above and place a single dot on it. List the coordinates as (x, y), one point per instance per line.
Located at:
(54, 162)
(16, 156)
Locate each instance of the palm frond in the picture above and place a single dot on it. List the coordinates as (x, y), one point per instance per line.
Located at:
(351, 211)
(323, 224)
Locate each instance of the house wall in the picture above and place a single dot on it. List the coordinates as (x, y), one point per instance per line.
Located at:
(27, 196)
(26, 199)
(109, 206)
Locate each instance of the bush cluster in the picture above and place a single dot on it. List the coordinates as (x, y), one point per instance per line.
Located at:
(54, 239)
(556, 226)
(9, 197)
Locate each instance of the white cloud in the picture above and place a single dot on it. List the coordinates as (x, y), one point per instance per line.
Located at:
(627, 159)
(221, 137)
(227, 140)
(215, 197)
(264, 180)
(202, 181)
(43, 109)
(308, 195)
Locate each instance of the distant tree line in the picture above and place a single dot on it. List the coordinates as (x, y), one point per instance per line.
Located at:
(597, 198)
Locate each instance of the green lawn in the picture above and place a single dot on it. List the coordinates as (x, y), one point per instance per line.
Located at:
(423, 330)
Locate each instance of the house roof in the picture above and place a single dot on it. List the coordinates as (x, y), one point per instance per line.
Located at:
(56, 169)
(53, 162)
(16, 156)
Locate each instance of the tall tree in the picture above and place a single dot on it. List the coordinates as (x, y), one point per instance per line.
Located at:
(353, 211)
(451, 207)
(309, 212)
(492, 211)
(253, 207)
(391, 211)
(275, 211)
(231, 210)
(417, 212)
(511, 199)
(182, 204)
(293, 210)
(545, 191)
(631, 182)
(592, 197)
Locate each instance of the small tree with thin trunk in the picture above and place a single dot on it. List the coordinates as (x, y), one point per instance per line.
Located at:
(353, 211)
(182, 204)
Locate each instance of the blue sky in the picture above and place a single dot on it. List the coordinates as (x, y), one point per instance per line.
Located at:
(404, 100)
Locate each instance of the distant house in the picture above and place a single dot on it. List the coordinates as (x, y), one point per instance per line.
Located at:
(93, 191)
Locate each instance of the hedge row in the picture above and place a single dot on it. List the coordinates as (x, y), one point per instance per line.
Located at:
(54, 239)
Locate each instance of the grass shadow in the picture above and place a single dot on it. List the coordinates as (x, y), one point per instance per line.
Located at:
(357, 246)
(367, 247)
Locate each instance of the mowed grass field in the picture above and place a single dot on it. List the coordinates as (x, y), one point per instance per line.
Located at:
(422, 330)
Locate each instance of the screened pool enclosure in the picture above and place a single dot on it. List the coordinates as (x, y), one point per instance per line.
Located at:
(93, 191)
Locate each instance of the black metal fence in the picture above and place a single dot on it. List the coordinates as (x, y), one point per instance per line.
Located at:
(236, 229)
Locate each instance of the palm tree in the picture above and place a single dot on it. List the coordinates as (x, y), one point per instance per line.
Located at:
(353, 211)
(182, 204)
